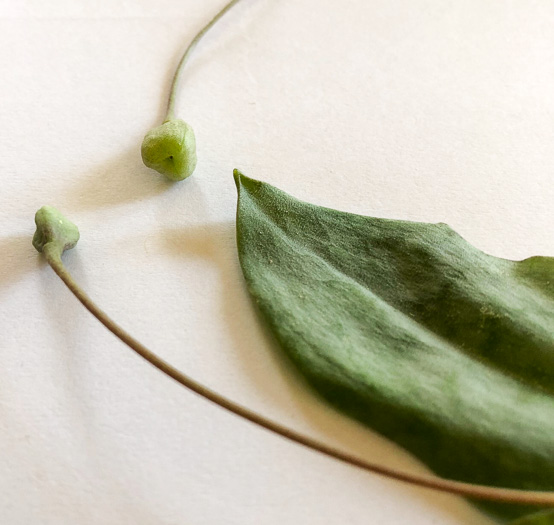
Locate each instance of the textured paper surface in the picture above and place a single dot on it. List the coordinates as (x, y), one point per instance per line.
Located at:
(423, 110)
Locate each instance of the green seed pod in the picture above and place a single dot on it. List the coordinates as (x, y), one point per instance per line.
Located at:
(170, 149)
(54, 232)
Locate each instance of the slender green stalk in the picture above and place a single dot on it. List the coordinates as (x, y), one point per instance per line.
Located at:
(186, 55)
(53, 252)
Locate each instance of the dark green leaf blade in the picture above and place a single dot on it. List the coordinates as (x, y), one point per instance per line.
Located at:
(539, 518)
(405, 326)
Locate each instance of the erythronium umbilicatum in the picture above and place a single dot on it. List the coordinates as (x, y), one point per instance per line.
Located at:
(170, 148)
(55, 234)
(371, 310)
(405, 326)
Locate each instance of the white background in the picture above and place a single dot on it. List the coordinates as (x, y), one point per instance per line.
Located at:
(425, 110)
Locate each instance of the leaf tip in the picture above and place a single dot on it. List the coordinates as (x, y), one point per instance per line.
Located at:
(244, 182)
(237, 175)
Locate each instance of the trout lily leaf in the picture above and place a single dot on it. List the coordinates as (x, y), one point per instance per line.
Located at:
(408, 328)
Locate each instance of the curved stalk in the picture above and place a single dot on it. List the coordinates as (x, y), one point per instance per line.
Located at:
(186, 55)
(53, 256)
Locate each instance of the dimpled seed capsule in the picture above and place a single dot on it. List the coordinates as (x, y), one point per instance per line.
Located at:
(54, 232)
(170, 149)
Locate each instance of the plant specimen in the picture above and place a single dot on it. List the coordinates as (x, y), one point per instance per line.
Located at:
(170, 148)
(408, 328)
(405, 326)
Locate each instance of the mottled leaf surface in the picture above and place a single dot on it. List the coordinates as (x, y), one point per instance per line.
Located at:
(405, 326)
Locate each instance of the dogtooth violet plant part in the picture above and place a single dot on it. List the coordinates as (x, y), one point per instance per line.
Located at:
(404, 326)
(170, 148)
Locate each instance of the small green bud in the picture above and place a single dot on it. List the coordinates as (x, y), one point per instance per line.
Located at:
(55, 230)
(170, 149)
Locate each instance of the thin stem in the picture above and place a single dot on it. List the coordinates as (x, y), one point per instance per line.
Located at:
(184, 59)
(431, 482)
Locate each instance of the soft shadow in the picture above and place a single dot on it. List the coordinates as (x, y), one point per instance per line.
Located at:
(121, 180)
(206, 241)
(64, 314)
(71, 376)
(216, 243)
(17, 257)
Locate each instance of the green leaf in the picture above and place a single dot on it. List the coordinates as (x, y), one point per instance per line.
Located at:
(539, 518)
(405, 326)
